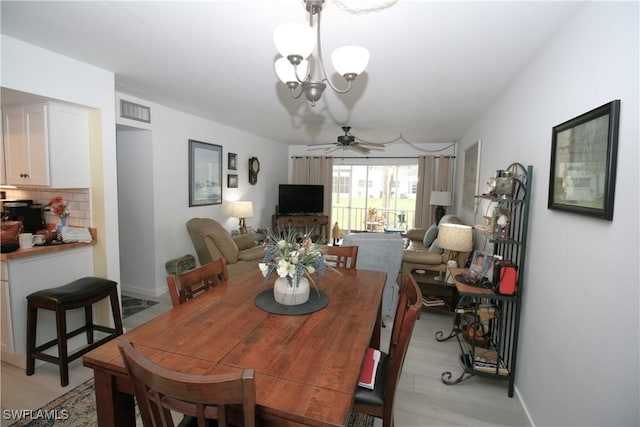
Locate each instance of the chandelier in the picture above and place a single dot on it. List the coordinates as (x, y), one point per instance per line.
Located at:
(295, 42)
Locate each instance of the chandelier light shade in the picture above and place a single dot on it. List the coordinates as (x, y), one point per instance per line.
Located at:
(296, 42)
(288, 72)
(350, 60)
(294, 39)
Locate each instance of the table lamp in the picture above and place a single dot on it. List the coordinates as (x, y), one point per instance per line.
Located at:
(440, 199)
(455, 238)
(242, 210)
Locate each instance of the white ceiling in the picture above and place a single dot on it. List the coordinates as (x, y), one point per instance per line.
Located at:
(435, 66)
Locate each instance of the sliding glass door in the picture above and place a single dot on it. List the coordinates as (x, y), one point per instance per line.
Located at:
(374, 198)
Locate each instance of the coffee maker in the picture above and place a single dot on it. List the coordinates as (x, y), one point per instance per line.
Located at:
(26, 211)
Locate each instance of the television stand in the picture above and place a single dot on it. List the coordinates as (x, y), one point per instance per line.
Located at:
(304, 223)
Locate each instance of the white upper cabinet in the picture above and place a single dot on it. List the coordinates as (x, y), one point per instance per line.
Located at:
(47, 145)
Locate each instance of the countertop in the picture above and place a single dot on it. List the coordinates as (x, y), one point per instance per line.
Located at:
(46, 249)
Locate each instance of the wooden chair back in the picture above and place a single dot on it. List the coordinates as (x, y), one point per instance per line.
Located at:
(409, 305)
(183, 287)
(159, 391)
(341, 256)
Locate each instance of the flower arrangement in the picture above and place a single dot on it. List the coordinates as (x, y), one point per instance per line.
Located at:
(293, 256)
(58, 207)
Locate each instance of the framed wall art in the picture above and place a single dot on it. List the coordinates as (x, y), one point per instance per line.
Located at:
(584, 153)
(232, 161)
(205, 173)
(232, 181)
(470, 176)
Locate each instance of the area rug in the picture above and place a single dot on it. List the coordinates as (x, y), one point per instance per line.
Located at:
(133, 305)
(77, 408)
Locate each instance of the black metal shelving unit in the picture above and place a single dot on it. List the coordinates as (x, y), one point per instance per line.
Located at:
(486, 324)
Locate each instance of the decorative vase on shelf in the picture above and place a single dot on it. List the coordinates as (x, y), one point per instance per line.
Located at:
(290, 294)
(63, 223)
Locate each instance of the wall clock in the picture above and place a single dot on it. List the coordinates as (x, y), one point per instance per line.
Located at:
(254, 168)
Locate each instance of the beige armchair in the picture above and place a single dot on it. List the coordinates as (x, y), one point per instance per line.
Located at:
(212, 241)
(418, 256)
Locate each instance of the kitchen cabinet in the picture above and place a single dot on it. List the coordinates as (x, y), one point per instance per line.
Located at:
(46, 144)
(21, 277)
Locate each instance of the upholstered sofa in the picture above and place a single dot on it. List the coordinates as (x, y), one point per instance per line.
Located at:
(423, 254)
(212, 241)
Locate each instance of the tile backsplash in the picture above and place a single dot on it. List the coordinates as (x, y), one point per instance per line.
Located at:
(78, 203)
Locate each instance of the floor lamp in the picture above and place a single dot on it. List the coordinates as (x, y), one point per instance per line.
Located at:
(440, 199)
(455, 238)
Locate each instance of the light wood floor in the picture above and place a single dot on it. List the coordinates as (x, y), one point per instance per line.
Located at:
(422, 398)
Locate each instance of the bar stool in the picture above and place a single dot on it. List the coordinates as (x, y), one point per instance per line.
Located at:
(79, 293)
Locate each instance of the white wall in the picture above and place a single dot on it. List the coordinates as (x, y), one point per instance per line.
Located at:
(31, 69)
(170, 133)
(578, 357)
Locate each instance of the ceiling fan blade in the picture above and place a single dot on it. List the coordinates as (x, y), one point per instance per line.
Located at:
(321, 144)
(359, 148)
(371, 144)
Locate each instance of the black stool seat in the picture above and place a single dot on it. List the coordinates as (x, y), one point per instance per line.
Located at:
(81, 293)
(78, 290)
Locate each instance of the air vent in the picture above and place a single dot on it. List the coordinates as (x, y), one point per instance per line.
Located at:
(130, 110)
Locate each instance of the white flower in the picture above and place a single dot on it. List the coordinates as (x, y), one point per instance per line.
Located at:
(264, 268)
(286, 269)
(282, 244)
(310, 269)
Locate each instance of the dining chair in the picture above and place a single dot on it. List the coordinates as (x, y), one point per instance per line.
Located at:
(188, 285)
(205, 400)
(341, 256)
(379, 402)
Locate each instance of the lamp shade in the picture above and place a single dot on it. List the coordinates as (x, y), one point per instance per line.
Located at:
(455, 237)
(286, 71)
(350, 59)
(440, 198)
(294, 38)
(242, 209)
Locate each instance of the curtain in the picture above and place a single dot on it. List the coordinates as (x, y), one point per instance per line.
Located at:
(318, 171)
(433, 174)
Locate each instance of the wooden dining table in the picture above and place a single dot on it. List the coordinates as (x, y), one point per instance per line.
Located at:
(306, 366)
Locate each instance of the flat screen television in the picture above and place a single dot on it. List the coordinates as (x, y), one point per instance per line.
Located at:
(297, 199)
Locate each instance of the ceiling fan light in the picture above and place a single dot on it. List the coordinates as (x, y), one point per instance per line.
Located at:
(286, 72)
(294, 39)
(350, 59)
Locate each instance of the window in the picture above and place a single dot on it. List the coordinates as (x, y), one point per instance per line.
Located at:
(383, 196)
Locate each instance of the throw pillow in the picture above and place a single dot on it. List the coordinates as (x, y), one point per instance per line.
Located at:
(430, 236)
(435, 248)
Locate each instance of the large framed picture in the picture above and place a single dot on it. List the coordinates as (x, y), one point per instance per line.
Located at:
(584, 153)
(470, 176)
(205, 173)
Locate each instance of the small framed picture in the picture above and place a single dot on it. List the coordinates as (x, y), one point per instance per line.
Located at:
(232, 161)
(232, 181)
(482, 264)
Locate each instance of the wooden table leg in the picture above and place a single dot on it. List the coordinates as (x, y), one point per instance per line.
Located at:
(113, 407)
(375, 337)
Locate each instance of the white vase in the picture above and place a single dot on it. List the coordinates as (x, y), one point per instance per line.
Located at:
(286, 294)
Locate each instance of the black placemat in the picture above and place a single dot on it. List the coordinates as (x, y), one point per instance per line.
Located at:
(317, 301)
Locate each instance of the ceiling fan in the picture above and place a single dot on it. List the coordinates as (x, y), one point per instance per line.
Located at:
(348, 142)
